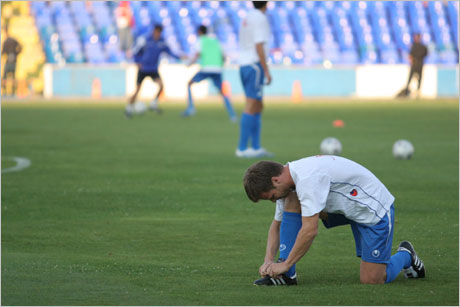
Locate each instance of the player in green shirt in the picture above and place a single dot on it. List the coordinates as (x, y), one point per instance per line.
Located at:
(212, 61)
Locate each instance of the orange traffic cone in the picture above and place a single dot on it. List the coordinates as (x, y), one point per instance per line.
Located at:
(296, 96)
(226, 88)
(96, 89)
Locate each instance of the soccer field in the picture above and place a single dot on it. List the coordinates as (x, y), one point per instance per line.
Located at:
(152, 211)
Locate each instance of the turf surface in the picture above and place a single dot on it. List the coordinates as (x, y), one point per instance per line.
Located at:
(151, 211)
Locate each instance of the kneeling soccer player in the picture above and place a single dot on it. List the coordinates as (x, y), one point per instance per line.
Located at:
(338, 191)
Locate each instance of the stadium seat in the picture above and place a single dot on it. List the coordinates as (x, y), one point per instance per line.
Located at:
(304, 32)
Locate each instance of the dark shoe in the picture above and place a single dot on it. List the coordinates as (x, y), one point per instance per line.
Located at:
(283, 280)
(417, 268)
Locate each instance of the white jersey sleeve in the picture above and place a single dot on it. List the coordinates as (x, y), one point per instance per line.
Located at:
(279, 210)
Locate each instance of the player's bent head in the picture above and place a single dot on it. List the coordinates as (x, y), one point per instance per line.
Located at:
(202, 30)
(259, 4)
(258, 178)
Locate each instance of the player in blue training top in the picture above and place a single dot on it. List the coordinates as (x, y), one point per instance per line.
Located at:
(337, 191)
(253, 41)
(147, 53)
(209, 51)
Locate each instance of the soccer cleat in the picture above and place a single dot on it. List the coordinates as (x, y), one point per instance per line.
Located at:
(417, 268)
(247, 153)
(129, 110)
(128, 114)
(282, 280)
(262, 152)
(155, 109)
(188, 112)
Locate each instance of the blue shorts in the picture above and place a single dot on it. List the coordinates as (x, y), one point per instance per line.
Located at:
(373, 243)
(252, 78)
(216, 78)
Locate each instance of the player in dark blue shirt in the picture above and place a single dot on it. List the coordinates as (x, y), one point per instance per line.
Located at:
(147, 53)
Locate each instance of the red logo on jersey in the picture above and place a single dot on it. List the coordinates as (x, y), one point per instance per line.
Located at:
(354, 192)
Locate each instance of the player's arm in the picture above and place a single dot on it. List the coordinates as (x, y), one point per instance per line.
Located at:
(273, 243)
(263, 60)
(194, 59)
(170, 53)
(305, 237)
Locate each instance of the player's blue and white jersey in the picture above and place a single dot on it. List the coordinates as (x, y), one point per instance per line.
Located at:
(254, 29)
(338, 185)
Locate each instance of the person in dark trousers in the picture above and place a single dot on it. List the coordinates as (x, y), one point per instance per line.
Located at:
(417, 55)
(11, 49)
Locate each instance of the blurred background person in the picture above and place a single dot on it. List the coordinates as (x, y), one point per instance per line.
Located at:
(125, 22)
(417, 54)
(147, 54)
(208, 49)
(254, 37)
(11, 49)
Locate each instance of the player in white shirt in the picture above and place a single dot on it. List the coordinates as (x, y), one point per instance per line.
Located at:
(254, 37)
(338, 191)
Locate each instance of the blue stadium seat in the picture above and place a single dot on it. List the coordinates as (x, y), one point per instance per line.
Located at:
(304, 32)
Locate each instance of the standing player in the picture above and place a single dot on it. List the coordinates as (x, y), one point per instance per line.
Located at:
(147, 55)
(417, 54)
(254, 37)
(11, 48)
(337, 191)
(212, 60)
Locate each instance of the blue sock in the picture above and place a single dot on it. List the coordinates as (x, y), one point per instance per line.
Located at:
(290, 226)
(190, 99)
(228, 106)
(400, 260)
(255, 133)
(245, 130)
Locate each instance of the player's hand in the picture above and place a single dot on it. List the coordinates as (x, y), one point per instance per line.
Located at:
(139, 66)
(277, 269)
(263, 270)
(268, 78)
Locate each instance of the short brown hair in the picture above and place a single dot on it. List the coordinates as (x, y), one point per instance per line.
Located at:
(258, 178)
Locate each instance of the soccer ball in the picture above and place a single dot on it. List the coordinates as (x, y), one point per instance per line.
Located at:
(139, 107)
(403, 149)
(330, 146)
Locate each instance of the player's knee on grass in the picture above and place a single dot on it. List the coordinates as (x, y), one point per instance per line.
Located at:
(372, 273)
(292, 203)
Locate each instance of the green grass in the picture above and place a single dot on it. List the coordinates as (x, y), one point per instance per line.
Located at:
(151, 211)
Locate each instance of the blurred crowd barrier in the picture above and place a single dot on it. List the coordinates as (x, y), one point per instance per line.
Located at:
(363, 81)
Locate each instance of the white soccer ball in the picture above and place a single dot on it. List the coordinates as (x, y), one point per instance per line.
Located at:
(403, 149)
(331, 146)
(139, 107)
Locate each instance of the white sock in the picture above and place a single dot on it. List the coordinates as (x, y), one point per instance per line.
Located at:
(154, 103)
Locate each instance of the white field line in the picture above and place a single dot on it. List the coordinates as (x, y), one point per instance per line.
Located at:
(21, 163)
